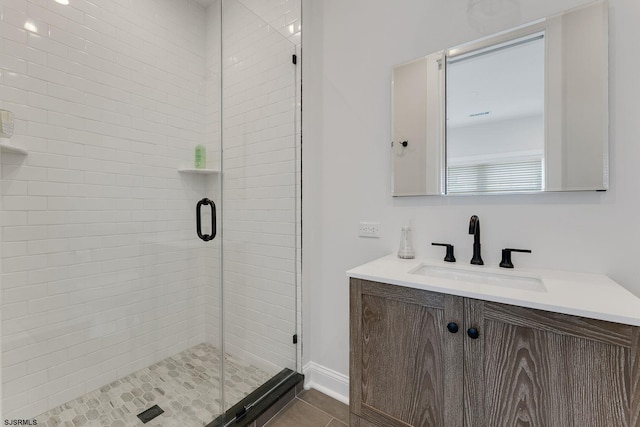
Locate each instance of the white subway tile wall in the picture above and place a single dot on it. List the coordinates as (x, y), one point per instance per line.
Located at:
(101, 272)
(284, 16)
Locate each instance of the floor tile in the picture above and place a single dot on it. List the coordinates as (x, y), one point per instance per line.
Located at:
(279, 405)
(327, 404)
(185, 386)
(298, 414)
(336, 423)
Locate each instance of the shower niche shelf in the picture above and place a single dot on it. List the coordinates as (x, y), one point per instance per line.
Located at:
(7, 148)
(199, 171)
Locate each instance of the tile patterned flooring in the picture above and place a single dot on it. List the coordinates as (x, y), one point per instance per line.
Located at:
(312, 409)
(185, 386)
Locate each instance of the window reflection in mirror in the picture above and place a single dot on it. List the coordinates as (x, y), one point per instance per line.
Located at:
(495, 118)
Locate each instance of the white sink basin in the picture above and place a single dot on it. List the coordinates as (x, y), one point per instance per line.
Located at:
(511, 280)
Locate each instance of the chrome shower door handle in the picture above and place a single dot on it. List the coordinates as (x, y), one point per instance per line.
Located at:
(206, 237)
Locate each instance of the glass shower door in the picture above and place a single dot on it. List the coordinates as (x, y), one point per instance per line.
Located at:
(258, 200)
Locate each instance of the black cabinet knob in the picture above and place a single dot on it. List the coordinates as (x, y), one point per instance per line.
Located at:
(404, 143)
(452, 327)
(473, 333)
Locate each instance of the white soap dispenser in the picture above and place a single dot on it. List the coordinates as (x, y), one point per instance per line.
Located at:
(406, 248)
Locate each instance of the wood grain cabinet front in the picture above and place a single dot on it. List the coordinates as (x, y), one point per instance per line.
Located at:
(416, 360)
(406, 367)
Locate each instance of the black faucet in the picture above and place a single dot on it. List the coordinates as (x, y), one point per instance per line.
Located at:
(474, 228)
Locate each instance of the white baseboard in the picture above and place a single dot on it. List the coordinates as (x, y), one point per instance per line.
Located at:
(327, 381)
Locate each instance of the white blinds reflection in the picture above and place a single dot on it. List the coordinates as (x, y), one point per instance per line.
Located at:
(495, 177)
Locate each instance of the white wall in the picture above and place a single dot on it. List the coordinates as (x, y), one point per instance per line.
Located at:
(350, 48)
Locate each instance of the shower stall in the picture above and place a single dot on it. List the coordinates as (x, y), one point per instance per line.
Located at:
(136, 284)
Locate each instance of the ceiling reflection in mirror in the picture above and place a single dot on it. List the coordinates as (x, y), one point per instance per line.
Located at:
(525, 110)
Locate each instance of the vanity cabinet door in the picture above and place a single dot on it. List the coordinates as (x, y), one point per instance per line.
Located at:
(537, 368)
(406, 367)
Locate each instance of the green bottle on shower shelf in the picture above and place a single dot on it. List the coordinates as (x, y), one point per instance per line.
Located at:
(201, 157)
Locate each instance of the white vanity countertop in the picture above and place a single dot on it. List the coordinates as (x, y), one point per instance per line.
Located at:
(580, 294)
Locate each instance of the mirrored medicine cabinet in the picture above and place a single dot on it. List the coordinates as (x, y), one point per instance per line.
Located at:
(523, 111)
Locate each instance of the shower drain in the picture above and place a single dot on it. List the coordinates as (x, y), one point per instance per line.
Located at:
(150, 414)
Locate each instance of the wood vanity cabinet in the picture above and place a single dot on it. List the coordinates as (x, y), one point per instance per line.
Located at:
(410, 367)
(401, 369)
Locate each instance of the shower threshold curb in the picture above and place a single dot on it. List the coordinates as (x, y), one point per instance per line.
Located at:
(279, 390)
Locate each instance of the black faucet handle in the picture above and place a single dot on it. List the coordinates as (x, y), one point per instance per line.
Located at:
(449, 256)
(506, 256)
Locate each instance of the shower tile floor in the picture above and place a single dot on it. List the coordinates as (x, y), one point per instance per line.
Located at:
(185, 386)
